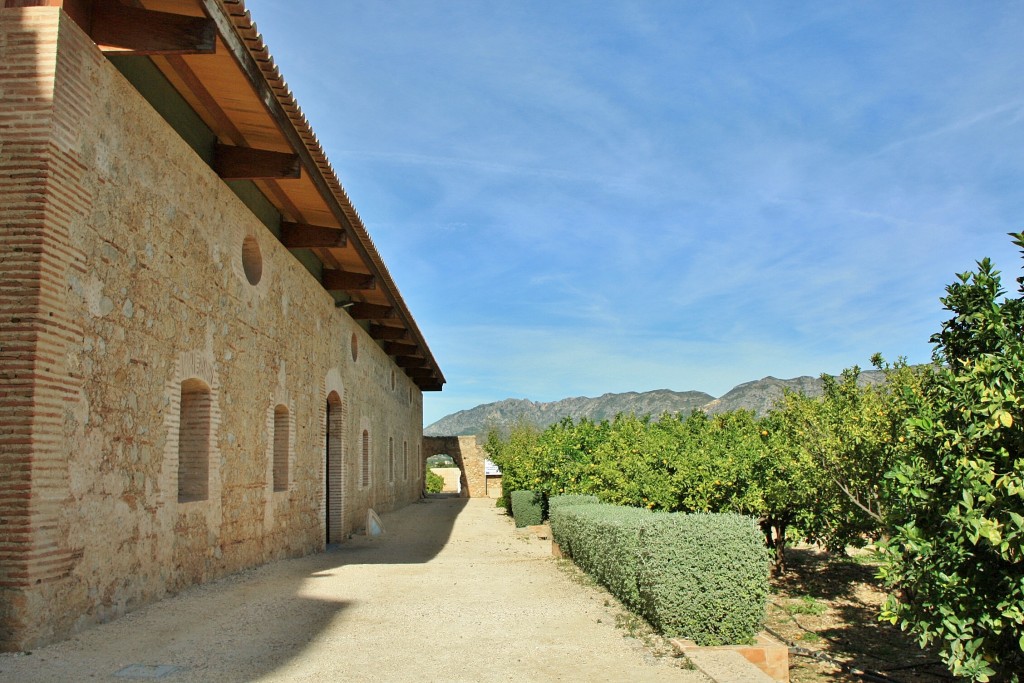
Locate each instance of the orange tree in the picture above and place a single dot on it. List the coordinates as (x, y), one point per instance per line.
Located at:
(850, 437)
(632, 463)
(786, 481)
(557, 460)
(628, 460)
(517, 453)
(731, 462)
(812, 465)
(955, 560)
(714, 461)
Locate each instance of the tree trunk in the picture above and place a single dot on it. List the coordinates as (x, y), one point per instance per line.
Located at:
(780, 545)
(766, 529)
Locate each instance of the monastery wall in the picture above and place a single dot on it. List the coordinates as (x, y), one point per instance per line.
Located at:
(135, 289)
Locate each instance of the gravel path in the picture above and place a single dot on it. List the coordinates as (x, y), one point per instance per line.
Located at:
(451, 593)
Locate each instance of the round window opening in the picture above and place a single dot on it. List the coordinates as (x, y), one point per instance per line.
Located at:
(355, 347)
(252, 260)
(392, 380)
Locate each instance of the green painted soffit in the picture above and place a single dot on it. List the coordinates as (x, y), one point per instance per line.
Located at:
(158, 91)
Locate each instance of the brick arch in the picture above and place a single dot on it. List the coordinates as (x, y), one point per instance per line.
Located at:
(280, 427)
(335, 433)
(192, 369)
(194, 433)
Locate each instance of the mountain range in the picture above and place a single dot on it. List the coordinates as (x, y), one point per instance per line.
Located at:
(758, 396)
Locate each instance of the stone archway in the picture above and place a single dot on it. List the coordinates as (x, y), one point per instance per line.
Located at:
(471, 459)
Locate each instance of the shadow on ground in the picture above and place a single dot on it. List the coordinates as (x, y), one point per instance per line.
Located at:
(830, 603)
(414, 535)
(248, 626)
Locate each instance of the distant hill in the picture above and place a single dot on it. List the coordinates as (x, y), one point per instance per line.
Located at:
(512, 411)
(758, 396)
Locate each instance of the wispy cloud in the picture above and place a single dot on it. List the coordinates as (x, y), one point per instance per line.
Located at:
(578, 198)
(1010, 113)
(475, 165)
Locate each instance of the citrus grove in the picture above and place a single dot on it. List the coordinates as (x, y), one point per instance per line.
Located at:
(925, 467)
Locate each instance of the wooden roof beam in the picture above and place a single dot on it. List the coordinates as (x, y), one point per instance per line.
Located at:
(305, 236)
(342, 280)
(360, 310)
(249, 66)
(410, 362)
(245, 163)
(400, 348)
(282, 110)
(385, 332)
(119, 28)
(420, 373)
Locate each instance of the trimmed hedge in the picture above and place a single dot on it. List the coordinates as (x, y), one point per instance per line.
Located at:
(604, 540)
(527, 508)
(554, 502)
(704, 577)
(699, 576)
(564, 525)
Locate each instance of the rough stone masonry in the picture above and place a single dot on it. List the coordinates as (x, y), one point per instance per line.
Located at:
(179, 398)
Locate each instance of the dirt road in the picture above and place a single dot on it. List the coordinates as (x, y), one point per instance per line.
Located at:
(450, 593)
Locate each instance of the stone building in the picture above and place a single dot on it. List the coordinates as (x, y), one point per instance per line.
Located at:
(204, 363)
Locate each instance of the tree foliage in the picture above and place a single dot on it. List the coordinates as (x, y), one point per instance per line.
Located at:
(849, 438)
(956, 556)
(770, 468)
(434, 483)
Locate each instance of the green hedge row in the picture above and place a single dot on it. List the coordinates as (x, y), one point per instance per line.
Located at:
(697, 576)
(604, 541)
(704, 576)
(555, 502)
(527, 507)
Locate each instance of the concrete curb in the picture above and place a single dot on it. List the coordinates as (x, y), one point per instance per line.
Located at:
(726, 666)
(766, 661)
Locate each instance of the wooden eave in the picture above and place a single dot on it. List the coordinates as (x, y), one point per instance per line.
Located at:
(240, 94)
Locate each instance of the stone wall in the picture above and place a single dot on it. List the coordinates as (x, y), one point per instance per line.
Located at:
(128, 270)
(492, 486)
(470, 457)
(452, 478)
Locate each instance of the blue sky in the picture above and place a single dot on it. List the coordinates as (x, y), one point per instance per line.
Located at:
(583, 197)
